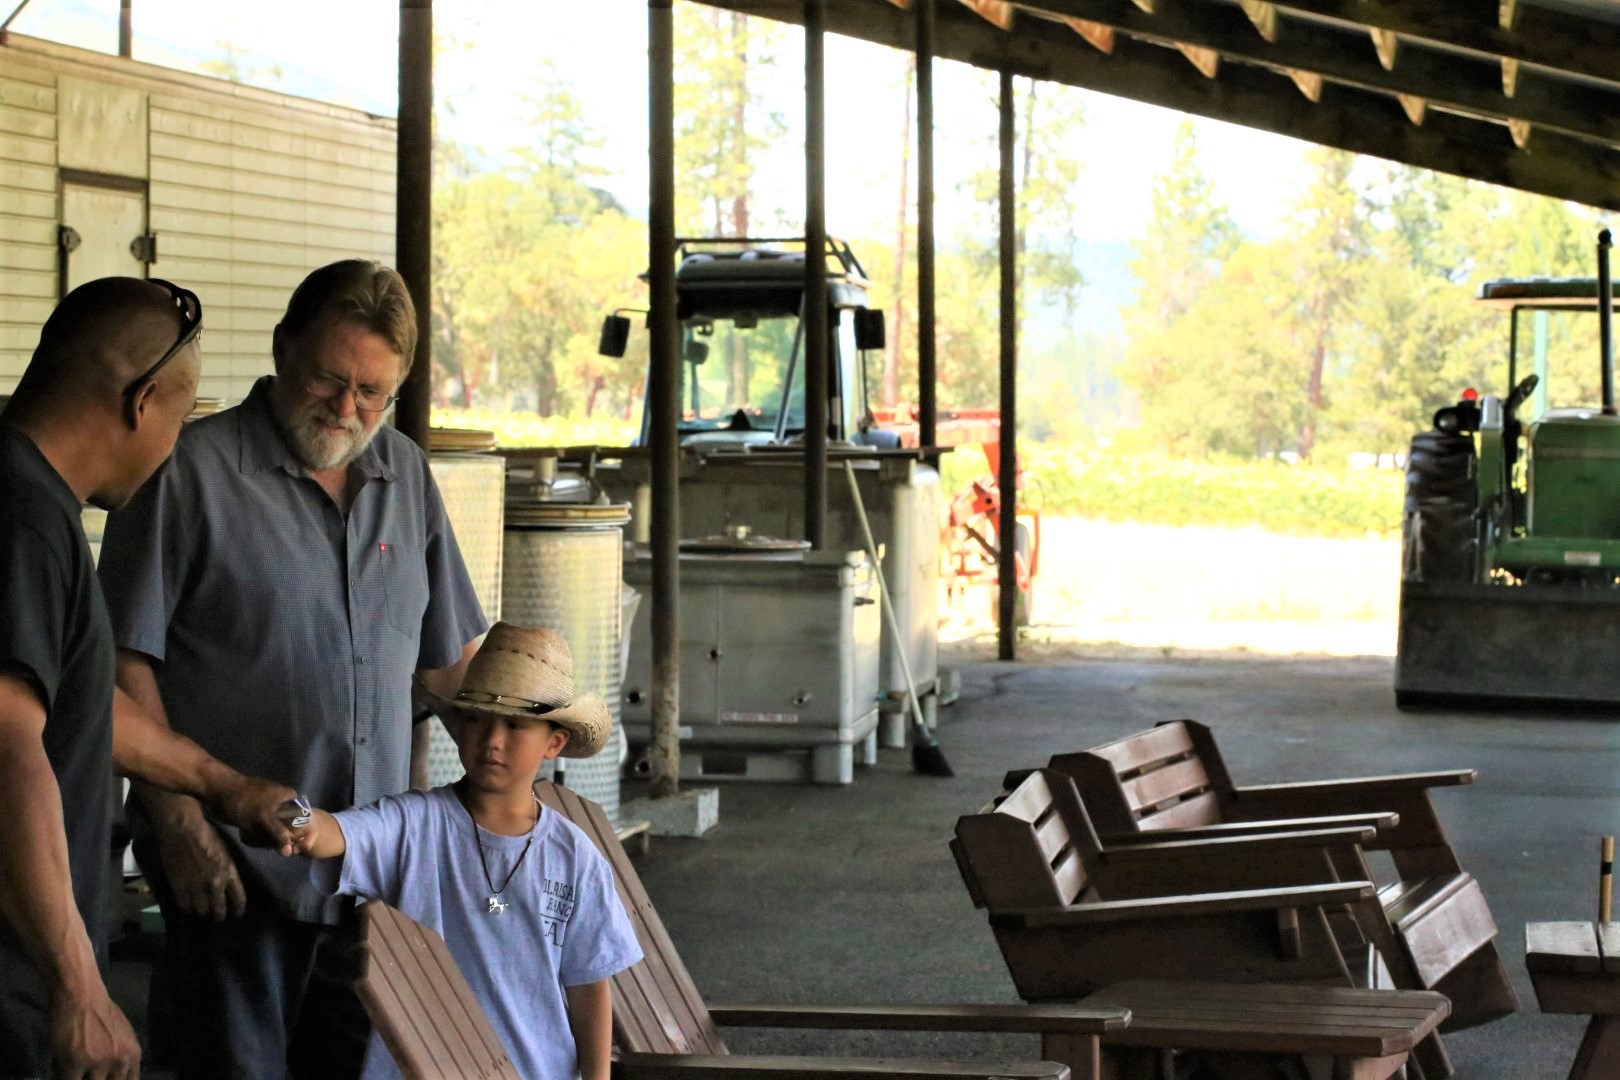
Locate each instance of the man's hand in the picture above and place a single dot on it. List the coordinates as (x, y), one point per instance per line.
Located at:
(251, 805)
(197, 863)
(90, 1037)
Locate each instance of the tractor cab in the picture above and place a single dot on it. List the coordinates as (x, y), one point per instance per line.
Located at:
(1549, 452)
(740, 304)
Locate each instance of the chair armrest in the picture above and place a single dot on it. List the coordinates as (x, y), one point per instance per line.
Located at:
(1234, 846)
(1360, 785)
(736, 1066)
(1180, 907)
(1024, 1019)
(1382, 821)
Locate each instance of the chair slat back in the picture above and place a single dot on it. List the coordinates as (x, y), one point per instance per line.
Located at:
(428, 1016)
(656, 1006)
(1156, 779)
(1030, 850)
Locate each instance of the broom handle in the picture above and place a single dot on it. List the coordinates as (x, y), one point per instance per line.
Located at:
(1605, 879)
(883, 594)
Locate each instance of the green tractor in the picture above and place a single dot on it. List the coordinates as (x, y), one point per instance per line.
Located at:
(1510, 586)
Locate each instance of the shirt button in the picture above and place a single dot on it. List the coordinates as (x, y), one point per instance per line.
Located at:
(361, 740)
(360, 660)
(354, 583)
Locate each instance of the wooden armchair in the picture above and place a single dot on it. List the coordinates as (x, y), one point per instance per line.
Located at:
(435, 1028)
(1437, 932)
(662, 1028)
(1073, 917)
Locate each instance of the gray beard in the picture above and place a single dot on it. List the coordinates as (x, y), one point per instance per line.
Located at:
(318, 450)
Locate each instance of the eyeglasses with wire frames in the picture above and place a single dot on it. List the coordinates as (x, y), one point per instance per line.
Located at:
(191, 314)
(318, 384)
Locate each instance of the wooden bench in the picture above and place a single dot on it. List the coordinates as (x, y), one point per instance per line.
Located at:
(1172, 781)
(1073, 918)
(663, 1028)
(1240, 1030)
(1575, 968)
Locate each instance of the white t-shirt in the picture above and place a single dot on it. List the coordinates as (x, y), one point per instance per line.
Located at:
(563, 925)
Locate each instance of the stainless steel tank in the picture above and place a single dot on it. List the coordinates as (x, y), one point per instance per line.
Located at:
(563, 570)
(473, 487)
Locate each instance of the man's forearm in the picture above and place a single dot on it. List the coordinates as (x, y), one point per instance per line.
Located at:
(144, 748)
(36, 891)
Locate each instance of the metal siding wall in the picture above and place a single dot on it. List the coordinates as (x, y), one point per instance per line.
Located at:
(246, 198)
(245, 203)
(28, 214)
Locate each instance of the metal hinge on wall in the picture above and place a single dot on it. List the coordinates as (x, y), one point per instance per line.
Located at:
(67, 239)
(144, 248)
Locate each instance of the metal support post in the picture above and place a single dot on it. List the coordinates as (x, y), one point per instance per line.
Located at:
(816, 375)
(1007, 527)
(126, 29)
(664, 399)
(413, 215)
(927, 380)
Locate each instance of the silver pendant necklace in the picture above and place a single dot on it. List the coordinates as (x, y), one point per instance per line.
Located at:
(496, 907)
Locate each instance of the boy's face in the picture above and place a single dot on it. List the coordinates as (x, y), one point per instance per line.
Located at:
(503, 753)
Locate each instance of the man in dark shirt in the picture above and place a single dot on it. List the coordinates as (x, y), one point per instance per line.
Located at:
(97, 411)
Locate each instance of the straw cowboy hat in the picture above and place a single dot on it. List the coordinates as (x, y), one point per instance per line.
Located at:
(523, 672)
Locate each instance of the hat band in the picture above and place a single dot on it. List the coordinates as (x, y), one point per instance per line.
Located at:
(479, 697)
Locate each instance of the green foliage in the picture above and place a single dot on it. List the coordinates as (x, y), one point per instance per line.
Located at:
(1158, 490)
(514, 429)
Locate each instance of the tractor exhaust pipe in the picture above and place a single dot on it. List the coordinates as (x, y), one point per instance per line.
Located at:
(1606, 319)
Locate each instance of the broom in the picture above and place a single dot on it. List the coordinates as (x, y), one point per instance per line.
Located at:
(926, 756)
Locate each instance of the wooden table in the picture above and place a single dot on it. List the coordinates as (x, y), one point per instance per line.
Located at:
(1243, 1028)
(1575, 968)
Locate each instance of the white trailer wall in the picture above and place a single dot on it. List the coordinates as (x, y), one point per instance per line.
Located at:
(246, 192)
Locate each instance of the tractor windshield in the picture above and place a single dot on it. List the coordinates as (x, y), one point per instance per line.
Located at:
(734, 371)
(1561, 347)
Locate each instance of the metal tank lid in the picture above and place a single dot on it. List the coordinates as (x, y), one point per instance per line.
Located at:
(742, 540)
(460, 440)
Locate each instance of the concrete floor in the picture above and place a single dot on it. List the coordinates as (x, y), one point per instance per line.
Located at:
(806, 894)
(848, 894)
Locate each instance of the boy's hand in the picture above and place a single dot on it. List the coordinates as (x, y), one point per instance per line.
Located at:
(300, 820)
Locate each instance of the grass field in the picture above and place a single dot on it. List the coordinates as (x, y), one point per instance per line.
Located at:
(1198, 588)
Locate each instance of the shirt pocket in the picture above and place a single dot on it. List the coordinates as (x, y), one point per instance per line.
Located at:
(401, 577)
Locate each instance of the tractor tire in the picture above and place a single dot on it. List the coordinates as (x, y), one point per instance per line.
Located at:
(1439, 523)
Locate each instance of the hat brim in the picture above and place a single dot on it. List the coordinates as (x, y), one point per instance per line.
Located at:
(586, 719)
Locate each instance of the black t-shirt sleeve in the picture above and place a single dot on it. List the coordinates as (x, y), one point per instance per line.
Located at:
(34, 597)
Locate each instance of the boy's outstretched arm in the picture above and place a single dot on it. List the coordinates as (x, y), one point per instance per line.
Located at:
(590, 1015)
(322, 838)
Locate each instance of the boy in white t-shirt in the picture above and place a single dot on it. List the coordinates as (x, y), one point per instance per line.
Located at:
(522, 897)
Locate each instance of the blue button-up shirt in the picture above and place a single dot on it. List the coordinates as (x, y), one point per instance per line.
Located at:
(285, 634)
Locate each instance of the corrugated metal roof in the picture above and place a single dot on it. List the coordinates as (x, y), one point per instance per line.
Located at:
(1519, 93)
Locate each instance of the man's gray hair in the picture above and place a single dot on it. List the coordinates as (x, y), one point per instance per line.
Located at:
(361, 290)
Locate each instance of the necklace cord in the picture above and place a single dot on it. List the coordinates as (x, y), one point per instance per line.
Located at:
(483, 861)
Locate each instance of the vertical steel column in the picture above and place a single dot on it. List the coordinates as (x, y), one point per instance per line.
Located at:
(664, 398)
(1007, 479)
(815, 276)
(927, 380)
(126, 29)
(413, 213)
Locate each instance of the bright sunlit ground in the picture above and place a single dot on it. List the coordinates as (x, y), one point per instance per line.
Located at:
(1196, 589)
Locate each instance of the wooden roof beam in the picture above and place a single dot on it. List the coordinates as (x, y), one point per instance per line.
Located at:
(1510, 77)
(1309, 83)
(1415, 108)
(1470, 84)
(1520, 130)
(1263, 14)
(1101, 37)
(1386, 43)
(998, 13)
(1357, 120)
(1561, 40)
(1207, 61)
